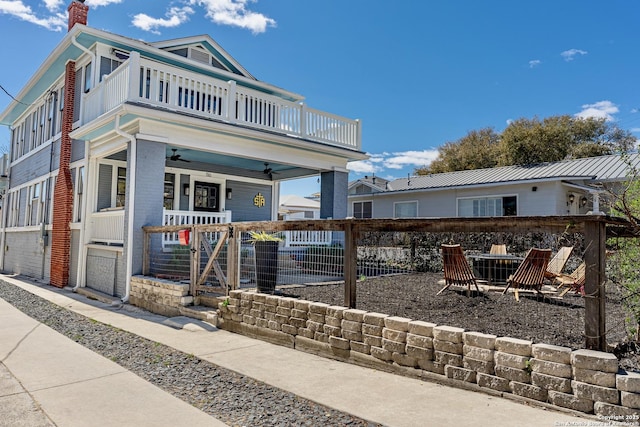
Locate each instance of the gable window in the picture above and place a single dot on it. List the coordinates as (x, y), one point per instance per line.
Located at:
(405, 209)
(362, 209)
(488, 206)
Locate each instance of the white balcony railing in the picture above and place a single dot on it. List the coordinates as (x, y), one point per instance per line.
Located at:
(155, 84)
(108, 227)
(307, 238)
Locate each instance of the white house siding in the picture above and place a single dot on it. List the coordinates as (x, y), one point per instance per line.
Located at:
(34, 166)
(543, 201)
(24, 254)
(102, 271)
(75, 255)
(549, 198)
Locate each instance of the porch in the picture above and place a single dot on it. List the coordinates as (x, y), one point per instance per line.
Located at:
(107, 228)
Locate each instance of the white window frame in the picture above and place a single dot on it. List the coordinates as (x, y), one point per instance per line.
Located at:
(78, 193)
(353, 208)
(14, 209)
(408, 202)
(501, 197)
(35, 203)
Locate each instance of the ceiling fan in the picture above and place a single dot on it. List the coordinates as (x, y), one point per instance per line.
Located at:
(176, 157)
(268, 171)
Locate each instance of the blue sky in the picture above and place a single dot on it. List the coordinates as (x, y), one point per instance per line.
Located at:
(418, 73)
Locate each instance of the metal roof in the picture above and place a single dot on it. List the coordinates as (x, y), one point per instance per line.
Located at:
(591, 169)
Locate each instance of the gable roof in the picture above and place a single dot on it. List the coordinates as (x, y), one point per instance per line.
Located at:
(210, 46)
(592, 169)
(375, 183)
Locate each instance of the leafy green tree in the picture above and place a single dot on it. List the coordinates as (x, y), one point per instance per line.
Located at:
(531, 141)
(477, 150)
(626, 271)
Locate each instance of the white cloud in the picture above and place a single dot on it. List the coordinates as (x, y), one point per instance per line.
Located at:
(379, 162)
(599, 110)
(635, 130)
(634, 110)
(362, 166)
(534, 63)
(411, 158)
(175, 17)
(21, 11)
(53, 5)
(235, 13)
(570, 54)
(98, 3)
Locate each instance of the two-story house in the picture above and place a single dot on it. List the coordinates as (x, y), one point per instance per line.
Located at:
(112, 134)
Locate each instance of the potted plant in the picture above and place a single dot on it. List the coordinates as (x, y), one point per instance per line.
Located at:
(266, 249)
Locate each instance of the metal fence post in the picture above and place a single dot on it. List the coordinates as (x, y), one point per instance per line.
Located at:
(194, 268)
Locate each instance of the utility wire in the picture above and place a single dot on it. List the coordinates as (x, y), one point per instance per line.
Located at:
(12, 97)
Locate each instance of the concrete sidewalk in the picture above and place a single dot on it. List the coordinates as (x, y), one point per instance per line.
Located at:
(47, 379)
(90, 386)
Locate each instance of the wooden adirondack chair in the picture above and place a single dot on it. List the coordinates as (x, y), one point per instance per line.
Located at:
(457, 271)
(530, 274)
(557, 263)
(574, 281)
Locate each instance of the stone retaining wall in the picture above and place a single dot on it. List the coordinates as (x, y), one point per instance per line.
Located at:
(582, 380)
(159, 296)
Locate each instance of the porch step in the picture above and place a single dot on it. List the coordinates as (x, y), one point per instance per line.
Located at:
(200, 312)
(99, 296)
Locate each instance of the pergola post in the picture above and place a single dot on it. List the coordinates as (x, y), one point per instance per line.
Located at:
(594, 287)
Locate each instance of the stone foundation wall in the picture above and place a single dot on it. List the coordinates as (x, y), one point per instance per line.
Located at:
(159, 296)
(582, 380)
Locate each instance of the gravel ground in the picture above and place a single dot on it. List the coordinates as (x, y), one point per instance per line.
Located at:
(230, 397)
(541, 320)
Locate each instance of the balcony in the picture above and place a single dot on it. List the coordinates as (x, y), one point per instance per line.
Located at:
(158, 85)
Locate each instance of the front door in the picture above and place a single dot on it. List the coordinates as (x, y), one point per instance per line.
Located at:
(206, 197)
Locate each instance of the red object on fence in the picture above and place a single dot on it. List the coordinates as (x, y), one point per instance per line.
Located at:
(183, 237)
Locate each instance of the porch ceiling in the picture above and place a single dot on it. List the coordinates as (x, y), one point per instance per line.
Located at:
(255, 168)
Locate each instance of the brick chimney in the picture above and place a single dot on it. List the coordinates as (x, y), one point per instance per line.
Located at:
(78, 12)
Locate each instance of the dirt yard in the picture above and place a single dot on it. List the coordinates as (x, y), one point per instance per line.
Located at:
(542, 320)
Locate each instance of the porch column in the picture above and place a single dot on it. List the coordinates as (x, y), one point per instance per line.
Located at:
(333, 194)
(145, 198)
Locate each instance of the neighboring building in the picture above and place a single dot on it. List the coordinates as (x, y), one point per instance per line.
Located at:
(112, 134)
(561, 188)
(296, 207)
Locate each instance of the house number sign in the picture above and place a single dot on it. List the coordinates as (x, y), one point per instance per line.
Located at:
(259, 200)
